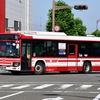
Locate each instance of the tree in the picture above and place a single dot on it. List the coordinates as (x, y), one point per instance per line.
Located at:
(96, 32)
(79, 28)
(65, 19)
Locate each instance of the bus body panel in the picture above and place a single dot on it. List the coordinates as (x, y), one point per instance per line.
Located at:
(60, 64)
(57, 64)
(70, 62)
(7, 64)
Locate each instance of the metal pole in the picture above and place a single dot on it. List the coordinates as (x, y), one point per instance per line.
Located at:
(53, 12)
(53, 15)
(40, 24)
(97, 27)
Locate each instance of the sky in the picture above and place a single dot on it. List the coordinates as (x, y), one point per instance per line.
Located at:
(89, 17)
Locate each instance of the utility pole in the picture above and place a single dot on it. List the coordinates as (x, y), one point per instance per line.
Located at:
(53, 15)
(53, 12)
(77, 7)
(97, 27)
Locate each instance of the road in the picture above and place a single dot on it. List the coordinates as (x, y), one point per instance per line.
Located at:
(52, 86)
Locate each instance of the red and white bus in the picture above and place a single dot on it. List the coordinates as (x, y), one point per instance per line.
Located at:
(41, 52)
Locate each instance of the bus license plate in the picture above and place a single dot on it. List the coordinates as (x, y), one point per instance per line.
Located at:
(2, 68)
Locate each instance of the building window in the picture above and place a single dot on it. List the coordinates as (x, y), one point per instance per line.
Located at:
(6, 26)
(16, 25)
(19, 25)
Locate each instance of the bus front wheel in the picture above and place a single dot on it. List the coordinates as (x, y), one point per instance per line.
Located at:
(87, 67)
(39, 68)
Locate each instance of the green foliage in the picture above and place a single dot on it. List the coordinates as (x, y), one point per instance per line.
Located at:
(65, 19)
(79, 28)
(96, 33)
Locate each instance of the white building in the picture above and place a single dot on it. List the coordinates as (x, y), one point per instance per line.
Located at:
(19, 14)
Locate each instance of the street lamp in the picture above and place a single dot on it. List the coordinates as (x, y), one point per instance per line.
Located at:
(97, 27)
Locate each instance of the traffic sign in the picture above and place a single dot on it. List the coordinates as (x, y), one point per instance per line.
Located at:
(57, 28)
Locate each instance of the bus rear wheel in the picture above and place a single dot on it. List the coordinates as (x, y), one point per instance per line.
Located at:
(39, 68)
(87, 67)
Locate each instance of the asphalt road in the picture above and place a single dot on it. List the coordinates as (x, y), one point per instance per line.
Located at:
(51, 86)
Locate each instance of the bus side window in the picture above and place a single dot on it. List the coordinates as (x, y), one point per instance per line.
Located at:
(39, 48)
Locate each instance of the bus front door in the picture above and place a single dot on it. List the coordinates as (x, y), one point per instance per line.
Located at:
(26, 56)
(72, 57)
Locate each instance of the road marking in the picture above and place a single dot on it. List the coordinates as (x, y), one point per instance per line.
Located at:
(43, 86)
(98, 88)
(90, 92)
(64, 86)
(21, 87)
(84, 87)
(58, 98)
(96, 83)
(6, 85)
(97, 97)
(11, 95)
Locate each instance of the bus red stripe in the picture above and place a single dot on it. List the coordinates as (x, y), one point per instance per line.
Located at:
(47, 60)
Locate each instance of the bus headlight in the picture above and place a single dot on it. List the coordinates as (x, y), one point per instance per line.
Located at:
(16, 64)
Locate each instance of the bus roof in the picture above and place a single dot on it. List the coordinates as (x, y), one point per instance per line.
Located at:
(42, 33)
(56, 36)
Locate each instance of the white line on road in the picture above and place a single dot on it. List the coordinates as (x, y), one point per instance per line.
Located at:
(98, 89)
(43, 86)
(97, 97)
(21, 87)
(54, 82)
(64, 86)
(11, 95)
(57, 98)
(91, 92)
(84, 87)
(92, 83)
(6, 85)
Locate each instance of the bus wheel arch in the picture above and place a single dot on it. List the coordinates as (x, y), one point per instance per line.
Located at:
(39, 67)
(87, 67)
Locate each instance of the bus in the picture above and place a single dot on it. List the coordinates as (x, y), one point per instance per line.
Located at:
(42, 52)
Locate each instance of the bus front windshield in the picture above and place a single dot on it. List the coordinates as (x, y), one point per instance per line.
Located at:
(9, 49)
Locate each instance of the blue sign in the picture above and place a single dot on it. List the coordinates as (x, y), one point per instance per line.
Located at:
(62, 52)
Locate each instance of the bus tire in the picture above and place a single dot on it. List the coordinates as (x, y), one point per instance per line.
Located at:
(87, 67)
(39, 68)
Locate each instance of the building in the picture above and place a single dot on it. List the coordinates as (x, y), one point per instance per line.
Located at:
(18, 14)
